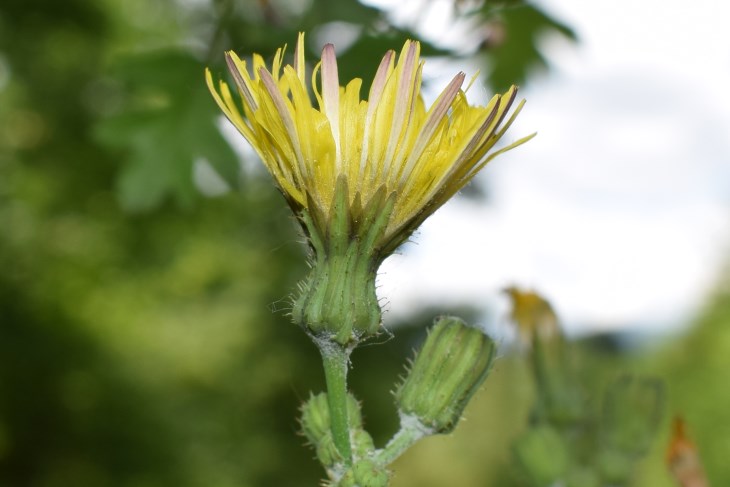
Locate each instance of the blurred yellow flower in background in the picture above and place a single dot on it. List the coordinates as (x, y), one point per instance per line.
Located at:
(533, 315)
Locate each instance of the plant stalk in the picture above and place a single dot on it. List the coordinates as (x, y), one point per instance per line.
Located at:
(335, 359)
(410, 432)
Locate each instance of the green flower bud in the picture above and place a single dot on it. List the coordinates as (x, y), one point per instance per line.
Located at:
(446, 372)
(316, 426)
(327, 452)
(315, 419)
(543, 455)
(362, 443)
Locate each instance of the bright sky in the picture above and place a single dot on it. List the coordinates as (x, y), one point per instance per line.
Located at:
(619, 211)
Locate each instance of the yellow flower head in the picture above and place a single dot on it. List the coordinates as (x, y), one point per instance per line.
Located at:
(533, 315)
(389, 144)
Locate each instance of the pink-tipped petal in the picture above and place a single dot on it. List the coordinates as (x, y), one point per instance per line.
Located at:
(240, 82)
(403, 101)
(437, 113)
(331, 94)
(376, 90)
(273, 91)
(381, 76)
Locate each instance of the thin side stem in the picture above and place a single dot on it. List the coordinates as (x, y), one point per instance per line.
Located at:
(335, 359)
(410, 432)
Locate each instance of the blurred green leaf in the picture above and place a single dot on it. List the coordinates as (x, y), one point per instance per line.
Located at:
(362, 58)
(632, 413)
(167, 123)
(517, 53)
(331, 10)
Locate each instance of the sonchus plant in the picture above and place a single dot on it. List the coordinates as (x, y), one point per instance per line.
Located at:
(361, 176)
(568, 442)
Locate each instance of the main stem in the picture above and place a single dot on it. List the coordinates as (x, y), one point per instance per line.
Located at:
(335, 359)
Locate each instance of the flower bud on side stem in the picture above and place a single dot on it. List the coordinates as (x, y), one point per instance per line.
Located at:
(446, 372)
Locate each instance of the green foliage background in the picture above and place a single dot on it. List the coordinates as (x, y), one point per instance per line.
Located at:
(143, 331)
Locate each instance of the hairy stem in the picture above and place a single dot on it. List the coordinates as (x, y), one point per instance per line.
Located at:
(335, 359)
(410, 432)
